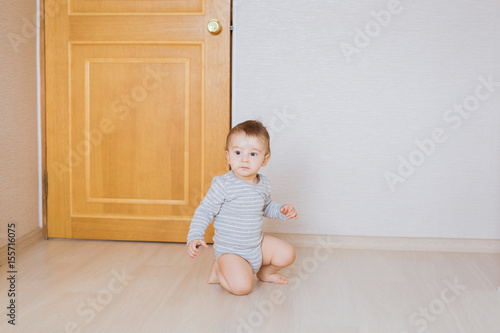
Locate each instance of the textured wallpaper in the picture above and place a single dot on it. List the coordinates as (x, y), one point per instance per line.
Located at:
(384, 115)
(18, 119)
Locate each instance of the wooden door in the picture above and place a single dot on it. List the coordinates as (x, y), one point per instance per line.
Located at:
(137, 110)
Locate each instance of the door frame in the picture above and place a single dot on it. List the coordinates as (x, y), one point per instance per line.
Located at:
(43, 131)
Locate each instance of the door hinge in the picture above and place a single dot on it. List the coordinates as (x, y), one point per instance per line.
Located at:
(231, 27)
(45, 184)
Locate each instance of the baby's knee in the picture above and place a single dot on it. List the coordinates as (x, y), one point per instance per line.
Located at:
(286, 257)
(241, 288)
(291, 255)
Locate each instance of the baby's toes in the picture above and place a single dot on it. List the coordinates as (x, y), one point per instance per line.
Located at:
(283, 279)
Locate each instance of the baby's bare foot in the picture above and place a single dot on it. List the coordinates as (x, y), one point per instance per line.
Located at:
(213, 274)
(273, 278)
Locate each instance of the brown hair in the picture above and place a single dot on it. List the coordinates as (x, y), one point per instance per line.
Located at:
(251, 128)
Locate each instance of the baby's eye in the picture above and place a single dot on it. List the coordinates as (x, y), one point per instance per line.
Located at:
(237, 152)
(253, 154)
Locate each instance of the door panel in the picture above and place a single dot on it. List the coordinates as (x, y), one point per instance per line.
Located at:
(137, 7)
(137, 109)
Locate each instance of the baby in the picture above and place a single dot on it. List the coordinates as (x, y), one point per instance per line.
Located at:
(237, 202)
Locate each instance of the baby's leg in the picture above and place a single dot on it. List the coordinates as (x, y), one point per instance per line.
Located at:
(276, 255)
(234, 274)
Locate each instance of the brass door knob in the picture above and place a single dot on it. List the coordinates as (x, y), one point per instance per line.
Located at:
(214, 27)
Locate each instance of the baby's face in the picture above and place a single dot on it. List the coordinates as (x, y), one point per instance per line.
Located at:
(246, 155)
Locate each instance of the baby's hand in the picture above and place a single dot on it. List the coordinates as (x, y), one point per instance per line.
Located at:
(289, 211)
(193, 247)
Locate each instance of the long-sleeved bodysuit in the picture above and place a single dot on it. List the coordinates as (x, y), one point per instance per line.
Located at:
(237, 209)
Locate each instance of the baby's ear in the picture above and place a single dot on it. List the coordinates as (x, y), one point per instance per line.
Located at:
(266, 159)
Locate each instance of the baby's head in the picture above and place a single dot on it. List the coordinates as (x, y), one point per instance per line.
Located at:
(248, 148)
(251, 128)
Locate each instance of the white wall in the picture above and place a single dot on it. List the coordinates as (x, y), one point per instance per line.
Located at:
(342, 122)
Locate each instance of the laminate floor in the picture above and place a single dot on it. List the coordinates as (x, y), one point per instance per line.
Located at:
(106, 286)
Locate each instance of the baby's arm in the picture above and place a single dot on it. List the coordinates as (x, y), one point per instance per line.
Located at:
(204, 214)
(278, 211)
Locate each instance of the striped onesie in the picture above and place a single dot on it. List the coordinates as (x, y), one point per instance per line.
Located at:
(237, 209)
